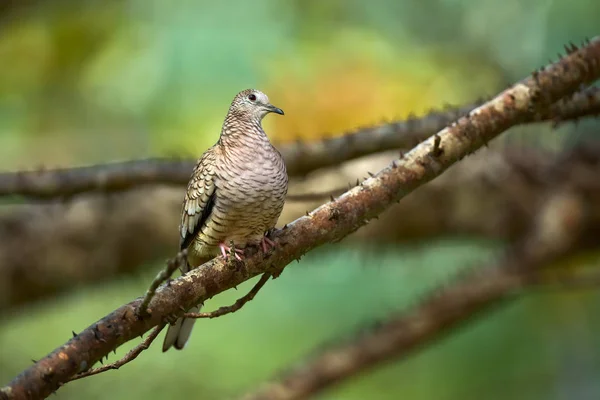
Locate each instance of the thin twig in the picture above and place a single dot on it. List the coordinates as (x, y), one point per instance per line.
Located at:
(162, 276)
(130, 356)
(239, 303)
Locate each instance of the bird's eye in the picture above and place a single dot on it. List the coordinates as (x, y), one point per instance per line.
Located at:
(252, 97)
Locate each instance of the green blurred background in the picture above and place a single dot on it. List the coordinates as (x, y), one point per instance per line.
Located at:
(91, 81)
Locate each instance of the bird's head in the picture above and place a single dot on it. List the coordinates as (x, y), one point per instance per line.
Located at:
(254, 104)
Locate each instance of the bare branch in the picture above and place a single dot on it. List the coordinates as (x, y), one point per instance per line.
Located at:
(112, 177)
(328, 223)
(583, 104)
(301, 158)
(239, 303)
(130, 356)
(162, 276)
(446, 308)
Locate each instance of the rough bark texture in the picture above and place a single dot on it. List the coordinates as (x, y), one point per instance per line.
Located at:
(328, 223)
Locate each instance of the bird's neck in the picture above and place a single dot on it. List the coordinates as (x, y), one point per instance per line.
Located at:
(239, 130)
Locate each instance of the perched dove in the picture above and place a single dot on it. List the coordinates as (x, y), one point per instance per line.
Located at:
(236, 193)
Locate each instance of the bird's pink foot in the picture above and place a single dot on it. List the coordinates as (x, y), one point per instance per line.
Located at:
(226, 250)
(267, 243)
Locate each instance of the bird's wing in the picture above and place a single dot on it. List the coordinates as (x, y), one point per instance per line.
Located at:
(199, 198)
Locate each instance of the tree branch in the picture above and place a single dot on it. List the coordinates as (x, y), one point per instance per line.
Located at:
(301, 158)
(130, 356)
(172, 264)
(328, 223)
(446, 308)
(583, 104)
(239, 303)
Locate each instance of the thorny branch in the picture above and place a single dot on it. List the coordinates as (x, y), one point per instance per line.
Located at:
(130, 356)
(301, 158)
(585, 103)
(162, 276)
(239, 303)
(555, 236)
(328, 223)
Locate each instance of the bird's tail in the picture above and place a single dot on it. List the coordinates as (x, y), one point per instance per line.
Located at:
(179, 333)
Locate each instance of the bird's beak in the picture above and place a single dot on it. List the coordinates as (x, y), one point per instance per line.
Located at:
(274, 109)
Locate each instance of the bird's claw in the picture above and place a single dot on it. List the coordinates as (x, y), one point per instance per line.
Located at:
(171, 319)
(267, 244)
(228, 251)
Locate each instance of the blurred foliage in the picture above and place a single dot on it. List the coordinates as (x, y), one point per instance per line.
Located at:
(93, 80)
(89, 81)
